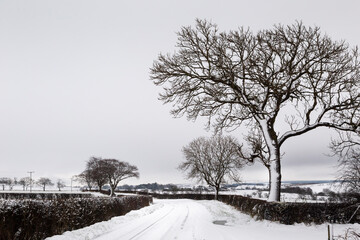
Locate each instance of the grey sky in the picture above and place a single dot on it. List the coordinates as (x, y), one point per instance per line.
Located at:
(74, 82)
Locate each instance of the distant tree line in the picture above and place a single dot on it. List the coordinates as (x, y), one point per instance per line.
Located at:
(26, 182)
(149, 186)
(298, 190)
(156, 187)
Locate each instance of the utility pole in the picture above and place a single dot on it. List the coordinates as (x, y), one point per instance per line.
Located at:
(31, 172)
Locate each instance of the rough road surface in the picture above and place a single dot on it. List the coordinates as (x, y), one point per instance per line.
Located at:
(189, 219)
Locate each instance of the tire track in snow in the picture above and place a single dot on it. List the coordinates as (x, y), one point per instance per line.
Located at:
(151, 225)
(186, 217)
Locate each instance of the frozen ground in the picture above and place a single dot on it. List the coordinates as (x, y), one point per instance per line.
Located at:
(189, 219)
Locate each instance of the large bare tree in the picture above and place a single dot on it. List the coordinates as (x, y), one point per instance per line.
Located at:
(292, 75)
(95, 172)
(116, 171)
(213, 160)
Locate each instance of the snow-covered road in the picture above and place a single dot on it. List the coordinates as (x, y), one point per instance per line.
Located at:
(189, 219)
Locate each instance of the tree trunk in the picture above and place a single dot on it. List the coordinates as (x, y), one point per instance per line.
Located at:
(112, 190)
(217, 192)
(268, 168)
(270, 138)
(275, 180)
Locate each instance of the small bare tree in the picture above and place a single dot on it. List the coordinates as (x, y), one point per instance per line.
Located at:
(116, 171)
(45, 182)
(285, 76)
(13, 183)
(25, 182)
(349, 234)
(60, 184)
(5, 181)
(213, 160)
(347, 148)
(86, 177)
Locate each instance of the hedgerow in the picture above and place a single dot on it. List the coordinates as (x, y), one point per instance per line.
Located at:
(37, 219)
(290, 213)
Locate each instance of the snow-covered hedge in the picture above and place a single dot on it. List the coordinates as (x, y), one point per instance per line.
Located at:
(290, 213)
(42, 196)
(38, 219)
(286, 213)
(194, 196)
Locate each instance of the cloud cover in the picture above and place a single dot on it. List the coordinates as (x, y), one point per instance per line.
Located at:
(74, 83)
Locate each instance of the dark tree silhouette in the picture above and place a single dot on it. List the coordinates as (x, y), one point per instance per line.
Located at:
(5, 181)
(116, 171)
(45, 182)
(95, 170)
(291, 75)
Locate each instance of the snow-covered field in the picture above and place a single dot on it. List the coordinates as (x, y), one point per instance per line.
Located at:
(190, 219)
(258, 192)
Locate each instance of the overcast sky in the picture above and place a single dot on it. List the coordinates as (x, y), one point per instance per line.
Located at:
(74, 83)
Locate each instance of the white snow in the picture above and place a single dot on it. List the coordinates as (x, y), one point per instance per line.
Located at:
(316, 188)
(190, 219)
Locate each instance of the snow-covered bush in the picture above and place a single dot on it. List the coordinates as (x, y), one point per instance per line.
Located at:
(38, 219)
